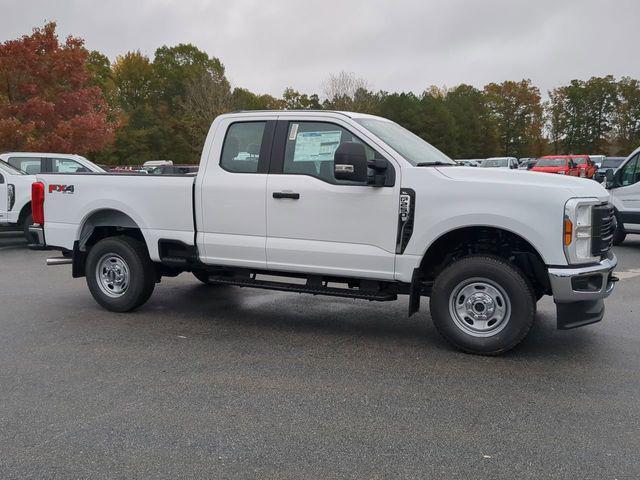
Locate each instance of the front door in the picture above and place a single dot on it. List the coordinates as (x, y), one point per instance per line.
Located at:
(627, 196)
(317, 224)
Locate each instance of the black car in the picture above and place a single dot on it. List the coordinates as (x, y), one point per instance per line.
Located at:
(609, 163)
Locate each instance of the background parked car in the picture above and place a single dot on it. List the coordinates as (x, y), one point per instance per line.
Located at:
(597, 159)
(527, 163)
(37, 162)
(572, 165)
(468, 162)
(174, 170)
(609, 163)
(624, 188)
(15, 197)
(500, 162)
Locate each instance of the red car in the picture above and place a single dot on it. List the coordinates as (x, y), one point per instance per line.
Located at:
(573, 165)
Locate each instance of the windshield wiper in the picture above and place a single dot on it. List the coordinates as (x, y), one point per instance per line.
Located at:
(436, 163)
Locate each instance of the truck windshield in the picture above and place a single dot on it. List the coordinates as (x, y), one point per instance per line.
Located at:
(9, 168)
(412, 148)
(551, 162)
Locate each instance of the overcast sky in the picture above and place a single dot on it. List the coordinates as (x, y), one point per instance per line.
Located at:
(399, 45)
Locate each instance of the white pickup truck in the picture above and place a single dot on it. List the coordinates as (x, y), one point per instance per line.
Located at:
(15, 197)
(342, 204)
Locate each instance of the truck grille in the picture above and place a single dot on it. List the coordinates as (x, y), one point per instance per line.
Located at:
(604, 227)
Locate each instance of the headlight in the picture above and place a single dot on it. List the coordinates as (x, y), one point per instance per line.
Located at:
(577, 230)
(11, 196)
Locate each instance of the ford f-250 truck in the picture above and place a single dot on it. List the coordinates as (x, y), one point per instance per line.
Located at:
(342, 204)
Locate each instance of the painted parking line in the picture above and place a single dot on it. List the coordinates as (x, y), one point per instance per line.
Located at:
(634, 272)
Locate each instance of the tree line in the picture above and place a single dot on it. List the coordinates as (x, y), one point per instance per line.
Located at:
(58, 96)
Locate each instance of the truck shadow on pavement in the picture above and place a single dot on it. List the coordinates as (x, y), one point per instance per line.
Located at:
(242, 312)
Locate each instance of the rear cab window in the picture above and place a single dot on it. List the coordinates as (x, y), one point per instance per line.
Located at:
(242, 147)
(30, 165)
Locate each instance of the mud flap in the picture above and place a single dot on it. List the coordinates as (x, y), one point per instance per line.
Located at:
(415, 292)
(579, 314)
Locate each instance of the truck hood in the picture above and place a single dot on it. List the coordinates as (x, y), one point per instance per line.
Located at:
(573, 186)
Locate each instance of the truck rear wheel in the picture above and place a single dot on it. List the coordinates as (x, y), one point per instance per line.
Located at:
(482, 305)
(120, 274)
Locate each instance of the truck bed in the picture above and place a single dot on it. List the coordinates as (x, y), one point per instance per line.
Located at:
(161, 206)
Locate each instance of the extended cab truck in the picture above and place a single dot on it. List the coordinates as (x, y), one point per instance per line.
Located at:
(624, 187)
(355, 206)
(15, 197)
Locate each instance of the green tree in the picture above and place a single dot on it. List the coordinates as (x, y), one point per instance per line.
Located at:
(518, 113)
(626, 121)
(294, 100)
(475, 132)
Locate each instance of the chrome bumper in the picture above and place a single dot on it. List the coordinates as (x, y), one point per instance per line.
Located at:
(577, 284)
(36, 237)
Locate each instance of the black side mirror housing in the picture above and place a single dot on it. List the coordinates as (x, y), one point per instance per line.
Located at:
(610, 178)
(350, 162)
(1, 179)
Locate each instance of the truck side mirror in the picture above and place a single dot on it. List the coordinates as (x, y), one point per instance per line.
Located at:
(610, 178)
(1, 179)
(350, 162)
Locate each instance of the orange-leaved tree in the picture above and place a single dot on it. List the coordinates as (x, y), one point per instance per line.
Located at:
(47, 99)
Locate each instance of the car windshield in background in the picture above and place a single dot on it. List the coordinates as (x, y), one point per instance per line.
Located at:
(412, 148)
(551, 162)
(612, 162)
(495, 163)
(10, 168)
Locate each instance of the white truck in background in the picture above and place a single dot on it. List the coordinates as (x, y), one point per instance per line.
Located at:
(15, 197)
(19, 167)
(355, 206)
(624, 188)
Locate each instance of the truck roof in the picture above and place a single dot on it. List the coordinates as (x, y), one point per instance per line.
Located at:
(306, 112)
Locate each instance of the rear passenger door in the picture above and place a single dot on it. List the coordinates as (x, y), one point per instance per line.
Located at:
(231, 204)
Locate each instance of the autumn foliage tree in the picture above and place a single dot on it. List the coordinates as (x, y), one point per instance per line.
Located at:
(48, 100)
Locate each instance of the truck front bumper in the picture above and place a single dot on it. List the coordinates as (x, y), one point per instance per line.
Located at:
(579, 292)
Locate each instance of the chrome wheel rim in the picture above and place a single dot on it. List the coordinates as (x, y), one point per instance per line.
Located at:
(480, 307)
(112, 275)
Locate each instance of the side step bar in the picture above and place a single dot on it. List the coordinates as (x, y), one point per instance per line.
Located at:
(314, 289)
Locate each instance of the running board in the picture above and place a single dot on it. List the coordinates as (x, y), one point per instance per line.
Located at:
(315, 289)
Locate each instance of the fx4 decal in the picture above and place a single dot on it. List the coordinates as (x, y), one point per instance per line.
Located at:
(61, 188)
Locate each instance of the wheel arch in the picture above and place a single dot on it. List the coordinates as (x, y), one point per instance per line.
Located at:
(485, 239)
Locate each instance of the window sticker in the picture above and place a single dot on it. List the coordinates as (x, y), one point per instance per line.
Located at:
(316, 146)
(294, 131)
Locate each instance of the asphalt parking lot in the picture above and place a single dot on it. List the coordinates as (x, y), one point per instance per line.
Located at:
(223, 382)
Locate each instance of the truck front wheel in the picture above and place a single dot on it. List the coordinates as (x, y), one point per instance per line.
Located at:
(482, 305)
(120, 274)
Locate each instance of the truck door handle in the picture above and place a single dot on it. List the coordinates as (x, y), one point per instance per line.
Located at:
(292, 195)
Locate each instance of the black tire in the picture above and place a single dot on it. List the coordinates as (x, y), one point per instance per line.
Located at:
(202, 276)
(26, 223)
(506, 280)
(620, 234)
(141, 273)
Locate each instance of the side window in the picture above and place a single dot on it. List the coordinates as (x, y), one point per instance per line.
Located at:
(310, 148)
(30, 165)
(66, 165)
(630, 173)
(241, 149)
